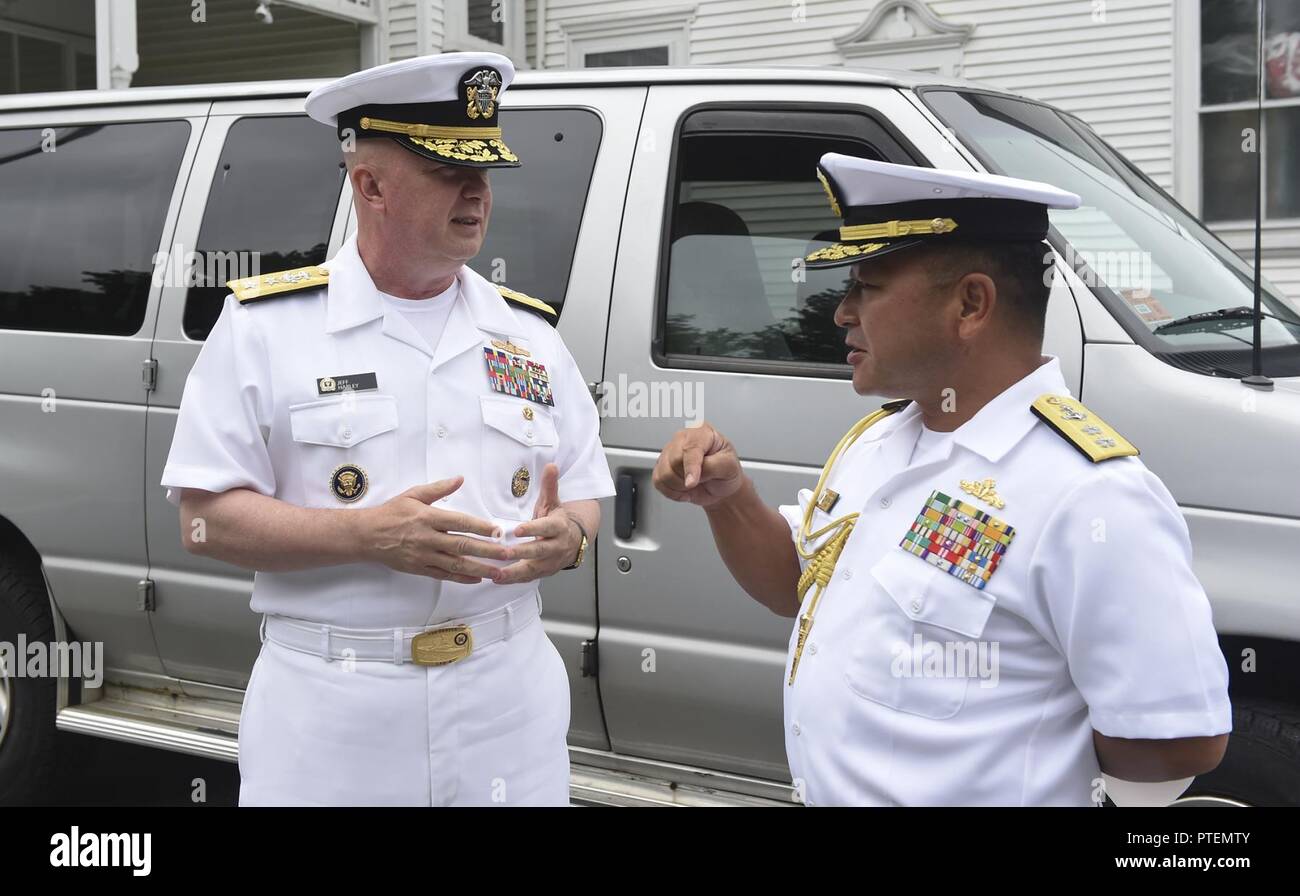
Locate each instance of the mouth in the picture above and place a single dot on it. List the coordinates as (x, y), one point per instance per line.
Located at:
(855, 354)
(467, 220)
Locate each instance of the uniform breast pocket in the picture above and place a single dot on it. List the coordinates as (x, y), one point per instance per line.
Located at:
(923, 645)
(518, 442)
(346, 450)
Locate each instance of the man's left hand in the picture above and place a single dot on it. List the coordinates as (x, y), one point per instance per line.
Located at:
(555, 537)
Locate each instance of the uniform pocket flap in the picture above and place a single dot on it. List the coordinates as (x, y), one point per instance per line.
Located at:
(524, 421)
(927, 594)
(343, 422)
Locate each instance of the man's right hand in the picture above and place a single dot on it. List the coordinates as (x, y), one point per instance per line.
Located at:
(408, 535)
(698, 465)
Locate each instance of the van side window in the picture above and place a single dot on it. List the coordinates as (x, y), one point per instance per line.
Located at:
(270, 208)
(747, 208)
(537, 207)
(84, 208)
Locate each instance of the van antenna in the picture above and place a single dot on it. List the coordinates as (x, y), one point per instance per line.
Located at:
(1257, 380)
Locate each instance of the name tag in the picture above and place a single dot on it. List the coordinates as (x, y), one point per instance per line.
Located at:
(353, 382)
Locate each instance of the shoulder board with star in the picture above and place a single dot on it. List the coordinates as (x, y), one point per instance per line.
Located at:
(537, 306)
(281, 283)
(1083, 429)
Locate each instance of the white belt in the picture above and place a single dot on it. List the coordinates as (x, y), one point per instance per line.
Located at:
(437, 646)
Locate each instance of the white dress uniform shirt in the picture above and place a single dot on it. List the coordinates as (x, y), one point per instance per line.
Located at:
(253, 416)
(916, 688)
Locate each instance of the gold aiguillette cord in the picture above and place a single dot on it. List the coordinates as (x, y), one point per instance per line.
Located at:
(821, 561)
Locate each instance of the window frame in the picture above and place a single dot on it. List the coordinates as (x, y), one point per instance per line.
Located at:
(1189, 111)
(634, 29)
(70, 45)
(805, 369)
(456, 34)
(560, 300)
(194, 123)
(344, 196)
(633, 45)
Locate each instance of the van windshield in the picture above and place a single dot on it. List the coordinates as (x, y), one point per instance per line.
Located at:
(1149, 261)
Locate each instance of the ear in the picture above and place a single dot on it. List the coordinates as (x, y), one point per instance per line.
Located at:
(978, 295)
(365, 184)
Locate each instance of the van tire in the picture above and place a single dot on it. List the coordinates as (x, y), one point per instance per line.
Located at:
(27, 748)
(1262, 765)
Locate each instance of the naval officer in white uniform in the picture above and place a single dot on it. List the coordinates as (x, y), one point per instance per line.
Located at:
(401, 450)
(994, 595)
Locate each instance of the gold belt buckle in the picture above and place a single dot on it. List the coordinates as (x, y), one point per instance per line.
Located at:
(442, 646)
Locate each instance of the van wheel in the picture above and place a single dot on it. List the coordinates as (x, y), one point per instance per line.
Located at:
(1262, 765)
(27, 705)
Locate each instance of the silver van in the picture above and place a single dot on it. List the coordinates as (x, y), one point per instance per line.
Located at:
(660, 210)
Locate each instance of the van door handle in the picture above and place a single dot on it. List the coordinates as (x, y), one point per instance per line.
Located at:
(625, 505)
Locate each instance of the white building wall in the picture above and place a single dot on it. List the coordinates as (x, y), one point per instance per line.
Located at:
(1111, 62)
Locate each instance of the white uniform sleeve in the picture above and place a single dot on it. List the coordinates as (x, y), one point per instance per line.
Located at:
(225, 413)
(793, 514)
(1114, 567)
(584, 471)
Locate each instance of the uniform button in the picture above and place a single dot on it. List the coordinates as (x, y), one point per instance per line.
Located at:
(442, 432)
(528, 413)
(847, 574)
(885, 502)
(529, 432)
(916, 606)
(796, 729)
(812, 648)
(347, 433)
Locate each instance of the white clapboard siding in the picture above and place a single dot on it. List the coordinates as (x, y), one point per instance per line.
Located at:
(1110, 62)
(436, 25)
(1116, 74)
(401, 27)
(1284, 273)
(231, 44)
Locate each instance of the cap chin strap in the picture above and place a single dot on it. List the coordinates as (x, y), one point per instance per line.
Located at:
(897, 228)
(439, 132)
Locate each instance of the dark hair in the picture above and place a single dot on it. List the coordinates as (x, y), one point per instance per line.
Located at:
(1021, 272)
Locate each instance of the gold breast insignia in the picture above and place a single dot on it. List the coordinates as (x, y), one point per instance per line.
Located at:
(511, 348)
(519, 482)
(985, 490)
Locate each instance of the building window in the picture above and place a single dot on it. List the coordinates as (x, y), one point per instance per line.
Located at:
(496, 26)
(636, 56)
(1229, 81)
(33, 60)
(635, 36)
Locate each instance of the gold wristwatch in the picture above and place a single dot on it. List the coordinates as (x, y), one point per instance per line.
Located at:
(582, 546)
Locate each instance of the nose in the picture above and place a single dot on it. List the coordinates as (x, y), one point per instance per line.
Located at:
(846, 312)
(474, 184)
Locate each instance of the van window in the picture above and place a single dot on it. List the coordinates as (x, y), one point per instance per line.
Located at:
(537, 207)
(84, 208)
(747, 208)
(270, 208)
